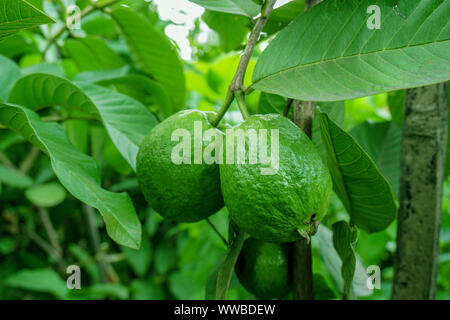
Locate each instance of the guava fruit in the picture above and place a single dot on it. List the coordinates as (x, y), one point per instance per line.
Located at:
(282, 205)
(178, 188)
(263, 268)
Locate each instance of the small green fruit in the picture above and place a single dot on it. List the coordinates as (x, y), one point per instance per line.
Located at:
(276, 207)
(263, 269)
(181, 192)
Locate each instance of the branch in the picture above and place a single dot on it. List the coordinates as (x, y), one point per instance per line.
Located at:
(53, 237)
(95, 239)
(238, 80)
(237, 84)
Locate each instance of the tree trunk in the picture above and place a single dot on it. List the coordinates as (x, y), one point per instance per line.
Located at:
(303, 288)
(423, 163)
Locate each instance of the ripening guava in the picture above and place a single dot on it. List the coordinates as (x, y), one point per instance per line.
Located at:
(263, 268)
(276, 206)
(183, 192)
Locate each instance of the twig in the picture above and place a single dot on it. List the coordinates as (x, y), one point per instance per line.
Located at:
(217, 231)
(237, 84)
(5, 160)
(88, 10)
(28, 162)
(95, 239)
(53, 237)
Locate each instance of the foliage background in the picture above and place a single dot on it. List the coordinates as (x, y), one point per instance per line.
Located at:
(175, 260)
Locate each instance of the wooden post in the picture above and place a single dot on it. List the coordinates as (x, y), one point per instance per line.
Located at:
(423, 163)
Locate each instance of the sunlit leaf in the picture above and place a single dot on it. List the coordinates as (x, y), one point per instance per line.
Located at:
(154, 53)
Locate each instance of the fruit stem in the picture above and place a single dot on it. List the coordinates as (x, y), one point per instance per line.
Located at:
(240, 97)
(227, 267)
(223, 109)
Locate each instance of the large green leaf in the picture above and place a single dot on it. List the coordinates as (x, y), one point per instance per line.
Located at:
(323, 242)
(330, 54)
(126, 120)
(243, 7)
(17, 15)
(10, 72)
(344, 241)
(363, 190)
(77, 172)
(153, 52)
(382, 141)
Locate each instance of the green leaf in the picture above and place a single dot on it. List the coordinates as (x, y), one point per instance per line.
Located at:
(140, 260)
(322, 290)
(396, 102)
(77, 172)
(271, 103)
(155, 54)
(336, 112)
(92, 53)
(40, 280)
(10, 73)
(242, 7)
(330, 54)
(14, 178)
(344, 241)
(230, 28)
(151, 87)
(108, 290)
(126, 120)
(19, 15)
(46, 195)
(283, 15)
(147, 290)
(382, 142)
(363, 190)
(323, 242)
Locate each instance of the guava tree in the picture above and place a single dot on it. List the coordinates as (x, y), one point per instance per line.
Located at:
(106, 87)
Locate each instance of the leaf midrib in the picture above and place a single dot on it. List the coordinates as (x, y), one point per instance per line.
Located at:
(342, 58)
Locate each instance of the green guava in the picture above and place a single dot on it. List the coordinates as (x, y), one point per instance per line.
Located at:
(263, 268)
(181, 191)
(278, 205)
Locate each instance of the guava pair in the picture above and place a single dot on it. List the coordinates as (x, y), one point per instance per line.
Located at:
(275, 207)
